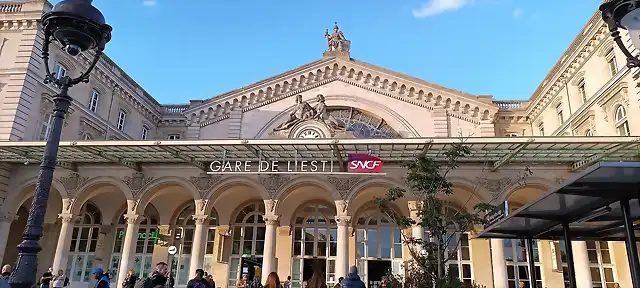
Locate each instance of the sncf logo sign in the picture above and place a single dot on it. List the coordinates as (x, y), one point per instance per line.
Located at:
(363, 163)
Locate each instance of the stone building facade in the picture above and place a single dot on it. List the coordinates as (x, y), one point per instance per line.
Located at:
(126, 216)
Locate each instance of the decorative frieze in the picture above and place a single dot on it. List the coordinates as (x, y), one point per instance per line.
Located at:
(72, 182)
(137, 182)
(273, 183)
(343, 185)
(495, 186)
(204, 183)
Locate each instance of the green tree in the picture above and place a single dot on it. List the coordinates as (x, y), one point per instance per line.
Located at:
(427, 181)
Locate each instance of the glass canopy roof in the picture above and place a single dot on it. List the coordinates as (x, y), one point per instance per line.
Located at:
(579, 152)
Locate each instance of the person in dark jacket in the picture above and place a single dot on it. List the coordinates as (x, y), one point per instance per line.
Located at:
(199, 281)
(103, 279)
(159, 277)
(130, 281)
(353, 280)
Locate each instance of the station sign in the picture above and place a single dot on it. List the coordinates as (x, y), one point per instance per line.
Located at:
(152, 235)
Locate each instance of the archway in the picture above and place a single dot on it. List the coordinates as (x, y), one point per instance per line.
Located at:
(148, 236)
(184, 231)
(315, 236)
(378, 245)
(247, 246)
(18, 204)
(84, 241)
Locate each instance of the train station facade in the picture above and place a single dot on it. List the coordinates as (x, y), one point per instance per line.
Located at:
(132, 179)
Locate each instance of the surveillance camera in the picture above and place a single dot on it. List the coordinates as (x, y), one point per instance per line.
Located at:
(73, 50)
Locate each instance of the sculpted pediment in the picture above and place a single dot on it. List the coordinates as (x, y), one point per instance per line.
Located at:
(383, 82)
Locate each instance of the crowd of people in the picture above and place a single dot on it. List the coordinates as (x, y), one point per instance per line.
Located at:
(162, 278)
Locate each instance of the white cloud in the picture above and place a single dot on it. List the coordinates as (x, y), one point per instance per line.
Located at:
(516, 13)
(435, 7)
(150, 3)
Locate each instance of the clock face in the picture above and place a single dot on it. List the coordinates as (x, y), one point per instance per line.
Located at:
(309, 133)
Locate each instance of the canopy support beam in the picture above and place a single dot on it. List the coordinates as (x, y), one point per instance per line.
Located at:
(595, 158)
(510, 155)
(187, 159)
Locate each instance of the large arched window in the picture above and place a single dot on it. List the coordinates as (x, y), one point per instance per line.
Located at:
(362, 124)
(315, 237)
(248, 231)
(458, 250)
(84, 241)
(378, 246)
(148, 236)
(185, 227)
(622, 124)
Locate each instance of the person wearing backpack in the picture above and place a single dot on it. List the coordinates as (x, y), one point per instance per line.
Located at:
(157, 279)
(103, 279)
(199, 281)
(130, 281)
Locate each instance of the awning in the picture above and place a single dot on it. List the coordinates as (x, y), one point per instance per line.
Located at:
(578, 152)
(589, 201)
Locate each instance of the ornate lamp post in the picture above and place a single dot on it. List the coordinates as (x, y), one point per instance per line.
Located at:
(626, 15)
(78, 27)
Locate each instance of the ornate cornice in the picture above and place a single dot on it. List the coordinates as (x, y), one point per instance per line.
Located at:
(357, 73)
(582, 48)
(137, 182)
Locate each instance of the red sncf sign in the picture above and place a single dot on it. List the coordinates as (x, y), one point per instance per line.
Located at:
(363, 163)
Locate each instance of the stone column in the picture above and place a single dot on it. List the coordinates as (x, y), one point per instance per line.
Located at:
(269, 255)
(199, 244)
(6, 219)
(581, 264)
(342, 259)
(64, 240)
(498, 263)
(129, 246)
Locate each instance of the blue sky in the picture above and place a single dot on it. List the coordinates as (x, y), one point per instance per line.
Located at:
(183, 50)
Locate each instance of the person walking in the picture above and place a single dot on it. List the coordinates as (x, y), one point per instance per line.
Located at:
(45, 280)
(287, 283)
(339, 284)
(157, 278)
(103, 278)
(60, 280)
(4, 277)
(130, 281)
(353, 279)
(199, 281)
(317, 281)
(273, 281)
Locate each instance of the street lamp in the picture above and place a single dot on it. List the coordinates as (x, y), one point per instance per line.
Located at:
(78, 27)
(626, 15)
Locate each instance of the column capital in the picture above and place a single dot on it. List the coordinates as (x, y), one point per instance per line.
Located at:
(133, 219)
(271, 219)
(343, 220)
(200, 219)
(66, 217)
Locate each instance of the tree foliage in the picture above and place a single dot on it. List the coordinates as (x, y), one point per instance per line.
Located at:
(427, 181)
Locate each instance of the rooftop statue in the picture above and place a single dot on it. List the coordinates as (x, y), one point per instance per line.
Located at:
(336, 41)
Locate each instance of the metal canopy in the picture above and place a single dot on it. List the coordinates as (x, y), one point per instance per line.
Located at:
(576, 151)
(589, 201)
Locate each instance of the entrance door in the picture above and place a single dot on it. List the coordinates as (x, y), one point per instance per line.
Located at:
(312, 266)
(376, 269)
(252, 267)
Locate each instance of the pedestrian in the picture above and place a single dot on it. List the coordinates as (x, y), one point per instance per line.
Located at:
(317, 281)
(199, 281)
(6, 272)
(287, 283)
(103, 278)
(339, 284)
(46, 278)
(242, 282)
(273, 281)
(353, 279)
(211, 282)
(156, 279)
(130, 281)
(60, 280)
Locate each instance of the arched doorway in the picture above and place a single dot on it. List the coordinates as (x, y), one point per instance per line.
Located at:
(185, 227)
(148, 236)
(315, 236)
(84, 240)
(248, 231)
(378, 247)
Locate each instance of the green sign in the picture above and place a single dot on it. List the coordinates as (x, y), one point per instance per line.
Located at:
(153, 235)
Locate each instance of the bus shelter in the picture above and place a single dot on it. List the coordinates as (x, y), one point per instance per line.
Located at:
(599, 203)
